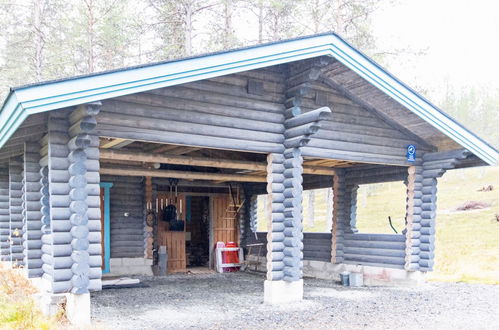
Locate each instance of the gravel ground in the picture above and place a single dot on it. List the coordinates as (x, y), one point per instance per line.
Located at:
(234, 301)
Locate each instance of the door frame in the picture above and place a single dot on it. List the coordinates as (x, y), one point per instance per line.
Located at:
(107, 226)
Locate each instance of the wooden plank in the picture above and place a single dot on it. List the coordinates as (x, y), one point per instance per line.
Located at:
(115, 143)
(182, 175)
(200, 161)
(225, 227)
(173, 240)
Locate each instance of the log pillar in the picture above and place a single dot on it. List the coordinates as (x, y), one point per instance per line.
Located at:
(32, 233)
(69, 207)
(352, 207)
(56, 228)
(284, 187)
(16, 211)
(69, 201)
(339, 216)
(241, 216)
(413, 217)
(422, 205)
(252, 210)
(4, 214)
(275, 216)
(84, 195)
(148, 229)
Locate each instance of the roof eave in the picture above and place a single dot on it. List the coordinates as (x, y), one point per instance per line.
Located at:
(12, 115)
(55, 95)
(378, 77)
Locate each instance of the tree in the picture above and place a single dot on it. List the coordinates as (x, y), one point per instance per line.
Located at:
(25, 31)
(274, 18)
(475, 106)
(348, 18)
(222, 33)
(175, 23)
(99, 34)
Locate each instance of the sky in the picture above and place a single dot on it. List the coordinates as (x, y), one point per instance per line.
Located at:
(459, 38)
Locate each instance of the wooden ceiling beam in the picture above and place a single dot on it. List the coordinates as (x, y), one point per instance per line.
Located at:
(181, 174)
(201, 161)
(183, 150)
(180, 160)
(115, 143)
(163, 148)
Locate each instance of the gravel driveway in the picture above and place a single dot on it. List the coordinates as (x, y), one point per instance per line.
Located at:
(234, 301)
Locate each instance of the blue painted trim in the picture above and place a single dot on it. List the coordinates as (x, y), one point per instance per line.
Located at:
(28, 100)
(107, 226)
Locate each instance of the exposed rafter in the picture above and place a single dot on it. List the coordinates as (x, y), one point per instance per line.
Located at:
(122, 155)
(115, 143)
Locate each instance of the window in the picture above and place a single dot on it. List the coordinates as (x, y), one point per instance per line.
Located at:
(317, 211)
(375, 204)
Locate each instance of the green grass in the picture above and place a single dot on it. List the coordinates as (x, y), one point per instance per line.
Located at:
(467, 242)
(18, 309)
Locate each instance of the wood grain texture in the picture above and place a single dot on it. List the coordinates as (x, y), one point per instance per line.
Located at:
(225, 224)
(173, 240)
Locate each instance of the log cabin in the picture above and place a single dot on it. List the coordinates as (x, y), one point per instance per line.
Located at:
(89, 164)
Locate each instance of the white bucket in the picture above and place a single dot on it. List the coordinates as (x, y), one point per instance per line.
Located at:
(356, 279)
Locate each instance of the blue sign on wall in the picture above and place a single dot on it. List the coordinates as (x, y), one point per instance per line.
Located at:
(411, 153)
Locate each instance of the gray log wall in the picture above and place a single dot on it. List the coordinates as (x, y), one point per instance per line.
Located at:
(4, 214)
(316, 246)
(32, 225)
(127, 232)
(16, 208)
(226, 113)
(348, 246)
(219, 113)
(352, 132)
(383, 250)
(351, 247)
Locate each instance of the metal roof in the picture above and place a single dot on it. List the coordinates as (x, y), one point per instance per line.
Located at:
(31, 99)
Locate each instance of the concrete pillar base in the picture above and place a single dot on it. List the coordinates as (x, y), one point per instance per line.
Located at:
(78, 308)
(38, 283)
(280, 292)
(50, 304)
(6, 264)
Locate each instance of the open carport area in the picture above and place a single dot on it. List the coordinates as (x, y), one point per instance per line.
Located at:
(234, 301)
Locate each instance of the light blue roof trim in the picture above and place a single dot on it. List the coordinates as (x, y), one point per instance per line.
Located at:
(29, 100)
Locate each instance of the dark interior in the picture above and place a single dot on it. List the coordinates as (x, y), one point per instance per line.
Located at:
(198, 247)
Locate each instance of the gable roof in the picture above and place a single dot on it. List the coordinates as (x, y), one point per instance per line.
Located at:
(31, 99)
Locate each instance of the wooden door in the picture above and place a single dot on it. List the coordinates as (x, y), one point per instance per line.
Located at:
(225, 224)
(173, 240)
